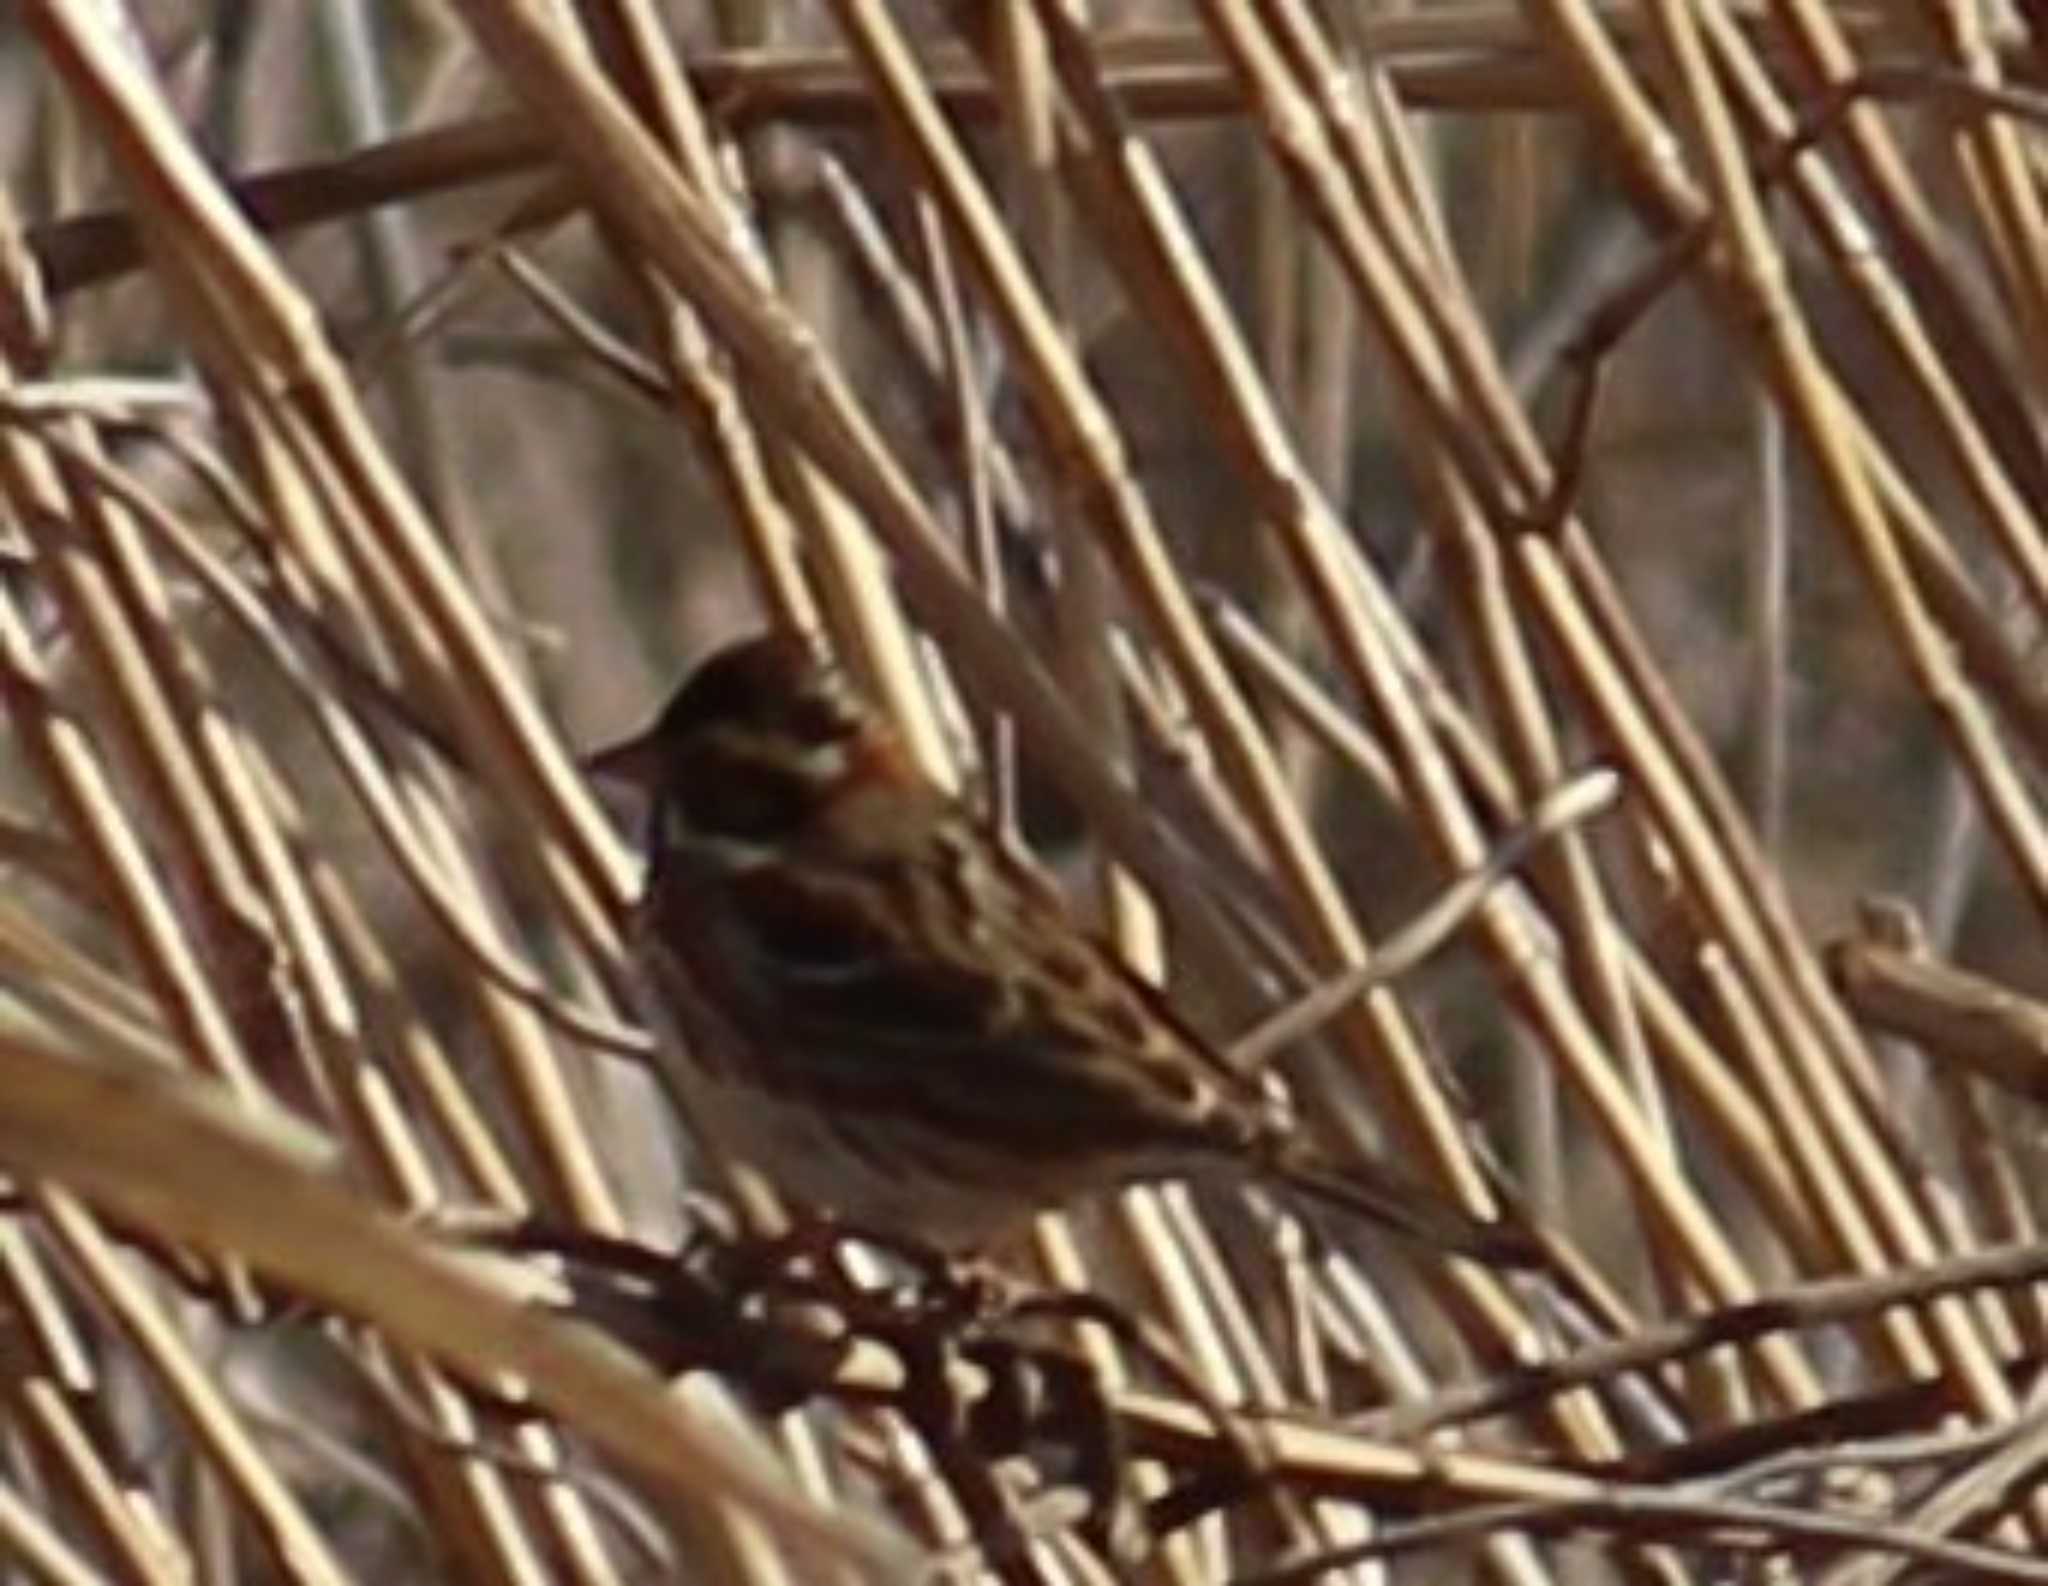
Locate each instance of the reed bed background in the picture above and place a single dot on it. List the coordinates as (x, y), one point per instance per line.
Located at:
(1269, 455)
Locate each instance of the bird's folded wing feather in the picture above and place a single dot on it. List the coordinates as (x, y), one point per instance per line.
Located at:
(992, 1009)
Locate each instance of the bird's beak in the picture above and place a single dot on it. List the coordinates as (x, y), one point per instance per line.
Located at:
(632, 765)
(626, 775)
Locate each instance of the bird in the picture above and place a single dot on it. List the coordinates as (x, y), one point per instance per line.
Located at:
(864, 994)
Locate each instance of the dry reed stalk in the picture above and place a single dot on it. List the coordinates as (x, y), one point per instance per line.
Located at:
(971, 371)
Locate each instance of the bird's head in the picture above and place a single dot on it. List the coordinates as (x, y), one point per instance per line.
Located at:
(760, 738)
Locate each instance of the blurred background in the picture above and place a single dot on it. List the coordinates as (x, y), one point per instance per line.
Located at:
(1260, 453)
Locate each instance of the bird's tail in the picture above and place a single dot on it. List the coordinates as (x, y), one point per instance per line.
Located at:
(1404, 1207)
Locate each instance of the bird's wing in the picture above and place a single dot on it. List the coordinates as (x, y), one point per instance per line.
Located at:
(998, 1021)
(944, 977)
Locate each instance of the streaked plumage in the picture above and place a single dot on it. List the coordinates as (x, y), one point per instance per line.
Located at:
(891, 1017)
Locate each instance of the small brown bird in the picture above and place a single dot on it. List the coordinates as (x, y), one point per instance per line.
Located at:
(895, 1020)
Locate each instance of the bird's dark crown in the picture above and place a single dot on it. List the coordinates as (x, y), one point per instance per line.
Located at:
(774, 685)
(758, 737)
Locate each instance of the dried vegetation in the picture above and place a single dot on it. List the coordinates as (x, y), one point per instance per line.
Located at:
(1269, 453)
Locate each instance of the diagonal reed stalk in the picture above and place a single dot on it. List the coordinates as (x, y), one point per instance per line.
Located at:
(1265, 454)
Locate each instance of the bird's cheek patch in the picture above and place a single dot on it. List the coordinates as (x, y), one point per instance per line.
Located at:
(739, 792)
